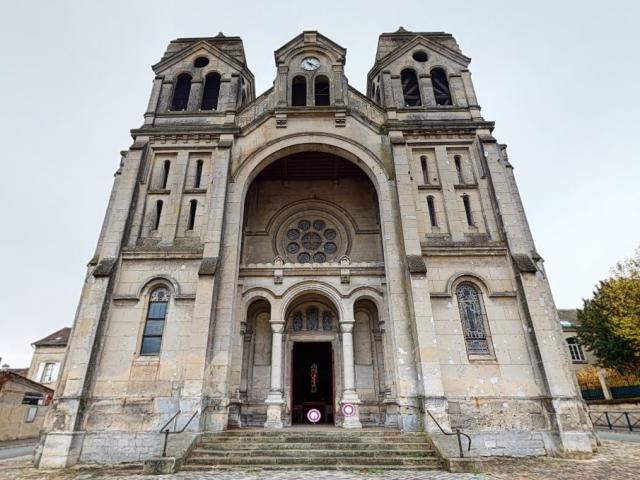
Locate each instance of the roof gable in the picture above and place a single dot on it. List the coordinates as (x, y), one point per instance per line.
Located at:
(59, 338)
(180, 55)
(420, 40)
(309, 40)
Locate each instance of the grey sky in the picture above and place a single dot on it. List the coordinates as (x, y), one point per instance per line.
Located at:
(559, 78)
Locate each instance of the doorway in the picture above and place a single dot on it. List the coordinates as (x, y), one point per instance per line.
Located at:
(312, 381)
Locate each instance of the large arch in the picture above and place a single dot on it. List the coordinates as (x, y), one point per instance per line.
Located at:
(241, 177)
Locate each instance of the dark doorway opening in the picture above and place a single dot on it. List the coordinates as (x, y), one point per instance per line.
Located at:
(312, 381)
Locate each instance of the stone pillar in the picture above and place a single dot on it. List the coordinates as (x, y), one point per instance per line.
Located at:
(281, 85)
(457, 91)
(474, 108)
(565, 405)
(274, 400)
(426, 90)
(150, 114)
(61, 445)
(422, 327)
(195, 96)
(602, 377)
(349, 395)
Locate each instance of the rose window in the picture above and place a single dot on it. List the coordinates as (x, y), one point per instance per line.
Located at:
(311, 240)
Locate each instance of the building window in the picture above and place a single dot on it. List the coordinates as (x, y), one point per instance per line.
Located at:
(376, 96)
(432, 211)
(440, 86)
(425, 170)
(322, 96)
(181, 92)
(410, 88)
(473, 319)
(467, 209)
(31, 414)
(458, 164)
(211, 92)
(154, 325)
(49, 372)
(198, 178)
(575, 349)
(165, 174)
(32, 398)
(158, 214)
(299, 92)
(193, 207)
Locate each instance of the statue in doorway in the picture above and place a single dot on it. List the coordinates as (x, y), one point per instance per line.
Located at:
(314, 378)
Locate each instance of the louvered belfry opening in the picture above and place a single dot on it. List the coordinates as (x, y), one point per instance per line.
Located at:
(440, 85)
(410, 88)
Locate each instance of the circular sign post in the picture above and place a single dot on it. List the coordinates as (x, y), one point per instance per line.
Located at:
(313, 415)
(348, 410)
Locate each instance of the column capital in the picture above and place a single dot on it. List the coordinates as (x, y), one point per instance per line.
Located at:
(346, 326)
(277, 326)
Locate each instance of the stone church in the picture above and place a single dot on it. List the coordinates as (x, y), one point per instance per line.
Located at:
(314, 248)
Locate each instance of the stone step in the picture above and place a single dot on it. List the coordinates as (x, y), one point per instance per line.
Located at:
(248, 446)
(304, 467)
(304, 438)
(205, 453)
(311, 431)
(312, 460)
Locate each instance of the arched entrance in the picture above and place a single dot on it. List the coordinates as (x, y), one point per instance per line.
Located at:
(311, 352)
(309, 217)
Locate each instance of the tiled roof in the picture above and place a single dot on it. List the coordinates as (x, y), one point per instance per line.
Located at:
(59, 338)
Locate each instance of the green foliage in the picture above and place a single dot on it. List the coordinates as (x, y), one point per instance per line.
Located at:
(611, 319)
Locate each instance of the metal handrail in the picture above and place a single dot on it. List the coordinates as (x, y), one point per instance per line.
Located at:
(458, 433)
(611, 424)
(165, 429)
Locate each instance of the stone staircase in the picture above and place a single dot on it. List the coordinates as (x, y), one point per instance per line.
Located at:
(312, 449)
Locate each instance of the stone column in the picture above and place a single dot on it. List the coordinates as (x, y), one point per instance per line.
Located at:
(274, 400)
(349, 395)
(602, 377)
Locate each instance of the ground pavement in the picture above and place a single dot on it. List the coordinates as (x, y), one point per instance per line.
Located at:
(614, 460)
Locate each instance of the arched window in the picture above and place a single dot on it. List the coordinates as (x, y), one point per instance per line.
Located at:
(441, 87)
(165, 173)
(575, 349)
(193, 207)
(467, 209)
(473, 319)
(410, 88)
(211, 92)
(322, 96)
(425, 170)
(432, 211)
(158, 214)
(154, 325)
(299, 92)
(198, 179)
(376, 97)
(181, 92)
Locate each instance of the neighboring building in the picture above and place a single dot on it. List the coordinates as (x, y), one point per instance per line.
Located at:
(48, 357)
(314, 247)
(23, 406)
(578, 355)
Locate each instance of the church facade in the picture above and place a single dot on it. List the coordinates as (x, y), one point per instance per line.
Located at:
(314, 249)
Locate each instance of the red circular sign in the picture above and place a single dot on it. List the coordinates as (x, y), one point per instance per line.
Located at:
(313, 415)
(348, 410)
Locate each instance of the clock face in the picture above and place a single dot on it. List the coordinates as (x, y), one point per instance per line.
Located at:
(310, 63)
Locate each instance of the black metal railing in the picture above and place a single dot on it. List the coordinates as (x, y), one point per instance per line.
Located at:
(612, 420)
(167, 431)
(457, 433)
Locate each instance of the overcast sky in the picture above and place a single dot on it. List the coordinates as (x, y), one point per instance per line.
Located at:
(561, 79)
